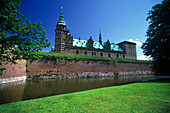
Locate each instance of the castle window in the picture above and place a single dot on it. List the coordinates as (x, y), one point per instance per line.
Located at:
(85, 52)
(123, 56)
(117, 55)
(94, 53)
(109, 55)
(101, 54)
(77, 51)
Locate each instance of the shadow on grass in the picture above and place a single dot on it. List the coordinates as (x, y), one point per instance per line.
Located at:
(159, 80)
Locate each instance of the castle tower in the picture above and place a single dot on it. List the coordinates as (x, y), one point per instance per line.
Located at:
(129, 48)
(63, 38)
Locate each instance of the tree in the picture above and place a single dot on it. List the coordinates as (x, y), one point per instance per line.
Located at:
(18, 36)
(157, 44)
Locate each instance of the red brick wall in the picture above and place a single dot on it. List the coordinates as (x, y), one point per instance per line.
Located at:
(80, 66)
(14, 70)
(68, 66)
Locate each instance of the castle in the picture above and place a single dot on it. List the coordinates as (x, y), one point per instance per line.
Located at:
(64, 43)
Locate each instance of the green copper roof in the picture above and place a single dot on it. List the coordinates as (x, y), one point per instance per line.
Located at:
(80, 43)
(96, 45)
(61, 20)
(115, 47)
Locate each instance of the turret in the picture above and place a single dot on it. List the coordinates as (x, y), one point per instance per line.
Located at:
(100, 37)
(90, 42)
(108, 45)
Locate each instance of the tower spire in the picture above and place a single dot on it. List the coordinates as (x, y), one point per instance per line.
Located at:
(100, 37)
(61, 20)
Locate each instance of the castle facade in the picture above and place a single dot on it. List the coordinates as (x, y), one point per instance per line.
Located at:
(65, 43)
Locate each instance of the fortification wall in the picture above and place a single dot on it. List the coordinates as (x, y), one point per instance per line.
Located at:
(69, 66)
(13, 72)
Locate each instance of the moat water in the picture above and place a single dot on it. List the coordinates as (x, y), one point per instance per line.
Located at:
(25, 90)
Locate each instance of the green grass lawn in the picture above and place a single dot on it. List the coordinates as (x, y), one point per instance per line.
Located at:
(55, 56)
(146, 97)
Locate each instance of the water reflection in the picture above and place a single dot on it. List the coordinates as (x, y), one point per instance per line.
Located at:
(41, 88)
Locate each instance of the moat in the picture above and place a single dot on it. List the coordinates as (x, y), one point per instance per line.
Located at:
(31, 89)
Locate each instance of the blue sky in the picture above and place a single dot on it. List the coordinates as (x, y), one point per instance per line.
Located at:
(119, 20)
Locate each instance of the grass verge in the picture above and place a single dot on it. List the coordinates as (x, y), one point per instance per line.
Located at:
(130, 60)
(148, 97)
(55, 56)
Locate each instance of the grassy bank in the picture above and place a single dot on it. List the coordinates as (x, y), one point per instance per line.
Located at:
(55, 56)
(148, 97)
(130, 60)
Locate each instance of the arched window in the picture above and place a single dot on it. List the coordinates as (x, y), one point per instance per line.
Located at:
(85, 52)
(101, 54)
(109, 55)
(77, 51)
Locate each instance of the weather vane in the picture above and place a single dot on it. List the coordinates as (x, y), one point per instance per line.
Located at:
(61, 9)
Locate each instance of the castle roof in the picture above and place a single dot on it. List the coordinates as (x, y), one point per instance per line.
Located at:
(61, 20)
(96, 45)
(80, 43)
(115, 47)
(127, 42)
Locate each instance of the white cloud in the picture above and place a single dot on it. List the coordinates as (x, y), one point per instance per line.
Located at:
(137, 42)
(143, 57)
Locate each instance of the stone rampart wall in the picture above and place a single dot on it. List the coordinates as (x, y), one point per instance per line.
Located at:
(68, 66)
(13, 72)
